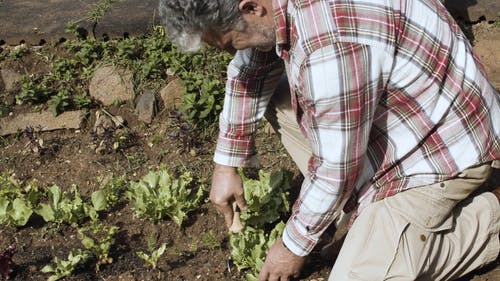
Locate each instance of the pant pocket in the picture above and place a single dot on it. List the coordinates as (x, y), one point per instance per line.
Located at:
(375, 250)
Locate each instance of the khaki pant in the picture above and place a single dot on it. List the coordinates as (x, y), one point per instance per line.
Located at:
(425, 233)
(435, 232)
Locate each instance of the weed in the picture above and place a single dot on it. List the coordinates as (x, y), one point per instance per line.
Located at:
(209, 240)
(82, 101)
(148, 57)
(136, 161)
(156, 139)
(95, 14)
(4, 108)
(33, 90)
(17, 53)
(59, 102)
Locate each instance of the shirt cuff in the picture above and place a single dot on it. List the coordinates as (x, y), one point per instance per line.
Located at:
(296, 239)
(235, 161)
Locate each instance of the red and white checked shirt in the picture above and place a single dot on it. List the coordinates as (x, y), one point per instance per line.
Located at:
(387, 92)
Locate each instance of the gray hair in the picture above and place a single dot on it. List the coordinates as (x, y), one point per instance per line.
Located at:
(186, 20)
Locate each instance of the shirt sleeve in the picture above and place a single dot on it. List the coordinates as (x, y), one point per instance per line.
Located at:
(252, 79)
(338, 91)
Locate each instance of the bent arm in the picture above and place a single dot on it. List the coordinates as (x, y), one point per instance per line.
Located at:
(252, 79)
(339, 90)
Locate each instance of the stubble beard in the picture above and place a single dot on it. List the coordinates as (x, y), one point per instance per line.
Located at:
(265, 37)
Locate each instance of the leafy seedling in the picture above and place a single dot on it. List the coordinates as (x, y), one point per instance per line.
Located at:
(158, 194)
(267, 198)
(249, 248)
(155, 254)
(63, 208)
(64, 268)
(98, 239)
(109, 192)
(16, 202)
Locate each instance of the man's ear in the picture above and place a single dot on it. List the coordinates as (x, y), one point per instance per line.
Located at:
(252, 7)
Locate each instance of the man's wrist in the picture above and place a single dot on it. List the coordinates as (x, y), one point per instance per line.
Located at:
(224, 168)
(284, 246)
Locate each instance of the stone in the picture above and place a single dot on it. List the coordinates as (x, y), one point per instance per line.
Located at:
(110, 85)
(146, 107)
(10, 78)
(42, 121)
(172, 94)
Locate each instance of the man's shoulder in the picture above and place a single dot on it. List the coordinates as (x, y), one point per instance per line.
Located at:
(316, 24)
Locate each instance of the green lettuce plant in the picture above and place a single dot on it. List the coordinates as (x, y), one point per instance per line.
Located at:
(267, 198)
(249, 248)
(16, 201)
(64, 208)
(267, 201)
(158, 194)
(109, 193)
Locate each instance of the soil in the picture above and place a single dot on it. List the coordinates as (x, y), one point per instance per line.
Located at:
(70, 158)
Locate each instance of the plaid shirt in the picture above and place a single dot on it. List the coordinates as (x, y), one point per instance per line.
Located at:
(388, 94)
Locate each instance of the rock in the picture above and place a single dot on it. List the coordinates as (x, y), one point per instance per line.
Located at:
(10, 78)
(41, 121)
(110, 85)
(474, 10)
(146, 107)
(172, 94)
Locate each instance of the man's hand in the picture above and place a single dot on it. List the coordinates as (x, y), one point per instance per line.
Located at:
(227, 188)
(281, 264)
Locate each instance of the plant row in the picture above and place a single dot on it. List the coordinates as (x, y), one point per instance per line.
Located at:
(158, 195)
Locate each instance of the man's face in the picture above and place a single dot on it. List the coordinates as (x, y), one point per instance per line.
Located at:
(255, 35)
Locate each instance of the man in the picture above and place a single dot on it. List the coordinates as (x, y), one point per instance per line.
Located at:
(387, 107)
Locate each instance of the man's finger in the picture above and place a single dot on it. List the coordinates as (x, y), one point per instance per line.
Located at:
(263, 275)
(276, 278)
(240, 201)
(227, 211)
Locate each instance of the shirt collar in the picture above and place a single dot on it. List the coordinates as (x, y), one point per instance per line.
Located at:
(280, 23)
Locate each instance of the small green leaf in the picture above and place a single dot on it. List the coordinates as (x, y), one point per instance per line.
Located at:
(99, 200)
(48, 269)
(87, 242)
(21, 212)
(55, 195)
(46, 212)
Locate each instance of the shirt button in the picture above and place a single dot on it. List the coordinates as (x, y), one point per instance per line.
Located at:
(442, 184)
